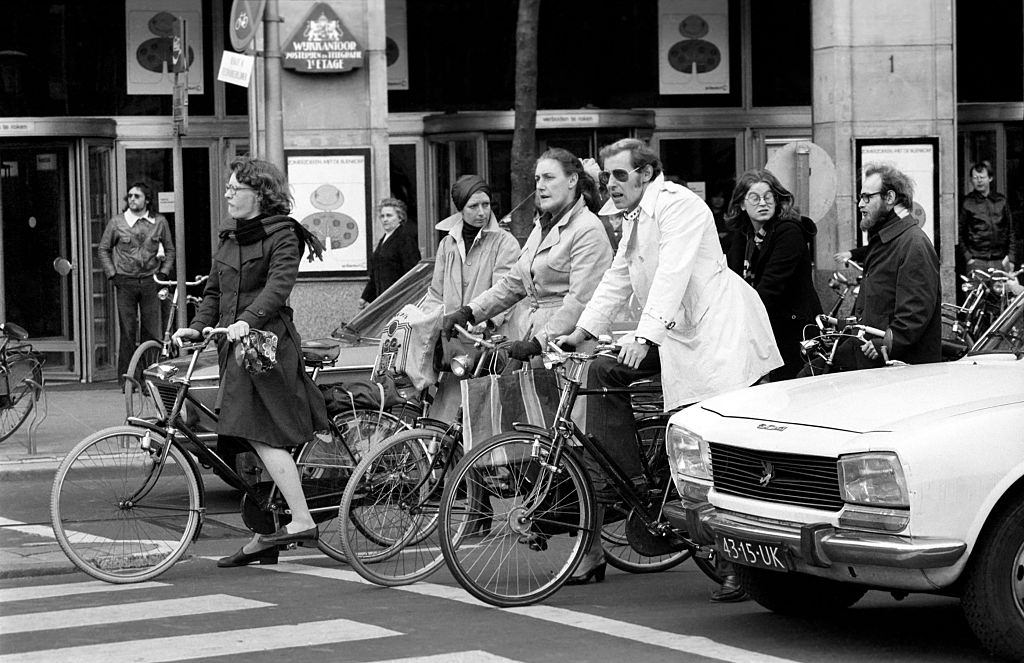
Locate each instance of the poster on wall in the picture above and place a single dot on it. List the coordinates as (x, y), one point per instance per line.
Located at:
(918, 158)
(151, 25)
(397, 45)
(693, 46)
(331, 189)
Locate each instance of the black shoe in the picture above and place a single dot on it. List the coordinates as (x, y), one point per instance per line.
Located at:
(282, 536)
(729, 592)
(596, 573)
(242, 558)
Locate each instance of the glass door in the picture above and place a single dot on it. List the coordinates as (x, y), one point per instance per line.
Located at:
(35, 193)
(99, 205)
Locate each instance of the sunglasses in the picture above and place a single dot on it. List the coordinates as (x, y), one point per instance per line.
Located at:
(619, 174)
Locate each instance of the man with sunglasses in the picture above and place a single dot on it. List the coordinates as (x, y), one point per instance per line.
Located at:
(702, 327)
(130, 254)
(900, 292)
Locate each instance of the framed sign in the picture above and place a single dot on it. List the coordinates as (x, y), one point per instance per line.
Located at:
(693, 47)
(918, 158)
(151, 26)
(331, 189)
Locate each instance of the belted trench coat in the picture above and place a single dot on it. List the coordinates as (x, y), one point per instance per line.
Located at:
(712, 329)
(252, 282)
(554, 277)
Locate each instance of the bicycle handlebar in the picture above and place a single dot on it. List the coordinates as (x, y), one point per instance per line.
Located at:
(851, 263)
(199, 281)
(473, 338)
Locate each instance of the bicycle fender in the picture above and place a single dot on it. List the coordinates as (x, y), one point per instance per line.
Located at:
(532, 429)
(147, 424)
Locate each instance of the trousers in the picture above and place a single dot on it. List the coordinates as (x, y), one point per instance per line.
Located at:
(138, 312)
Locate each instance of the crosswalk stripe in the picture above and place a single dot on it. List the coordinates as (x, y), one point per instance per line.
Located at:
(688, 644)
(475, 656)
(127, 612)
(69, 589)
(205, 645)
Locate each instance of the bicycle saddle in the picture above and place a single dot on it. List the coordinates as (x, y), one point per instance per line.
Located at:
(320, 352)
(16, 332)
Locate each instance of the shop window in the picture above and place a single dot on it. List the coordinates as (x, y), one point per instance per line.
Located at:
(780, 46)
(990, 44)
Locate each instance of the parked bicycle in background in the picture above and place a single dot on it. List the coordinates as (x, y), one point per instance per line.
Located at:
(21, 379)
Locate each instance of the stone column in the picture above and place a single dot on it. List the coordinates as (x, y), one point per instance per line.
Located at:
(883, 70)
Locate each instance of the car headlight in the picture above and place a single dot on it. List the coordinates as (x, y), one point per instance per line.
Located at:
(688, 453)
(873, 478)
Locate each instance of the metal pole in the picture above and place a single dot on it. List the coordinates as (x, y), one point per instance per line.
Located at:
(272, 80)
(179, 217)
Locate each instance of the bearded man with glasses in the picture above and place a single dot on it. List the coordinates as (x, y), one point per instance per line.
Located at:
(900, 292)
(702, 327)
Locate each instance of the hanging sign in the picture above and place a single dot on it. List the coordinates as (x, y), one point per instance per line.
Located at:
(322, 45)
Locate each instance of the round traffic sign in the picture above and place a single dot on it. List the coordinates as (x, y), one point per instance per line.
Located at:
(245, 19)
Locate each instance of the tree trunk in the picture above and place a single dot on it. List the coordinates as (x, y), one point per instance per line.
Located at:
(524, 139)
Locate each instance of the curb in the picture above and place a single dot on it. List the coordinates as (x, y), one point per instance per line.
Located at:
(41, 465)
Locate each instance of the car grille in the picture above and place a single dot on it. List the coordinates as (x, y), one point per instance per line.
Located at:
(808, 481)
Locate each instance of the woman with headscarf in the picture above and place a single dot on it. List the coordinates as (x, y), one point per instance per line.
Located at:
(474, 255)
(560, 266)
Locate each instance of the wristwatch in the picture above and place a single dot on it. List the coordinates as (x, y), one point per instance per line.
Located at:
(642, 340)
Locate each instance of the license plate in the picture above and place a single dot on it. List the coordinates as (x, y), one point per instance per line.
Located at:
(758, 554)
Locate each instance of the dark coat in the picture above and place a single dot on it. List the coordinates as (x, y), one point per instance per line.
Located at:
(282, 407)
(987, 231)
(390, 260)
(780, 271)
(901, 291)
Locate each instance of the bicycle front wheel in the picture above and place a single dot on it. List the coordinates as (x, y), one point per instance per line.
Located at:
(390, 509)
(18, 377)
(326, 467)
(514, 521)
(119, 514)
(147, 354)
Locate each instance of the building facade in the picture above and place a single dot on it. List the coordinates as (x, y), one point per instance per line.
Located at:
(716, 86)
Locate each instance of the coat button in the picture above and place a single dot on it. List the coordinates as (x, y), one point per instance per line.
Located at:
(260, 312)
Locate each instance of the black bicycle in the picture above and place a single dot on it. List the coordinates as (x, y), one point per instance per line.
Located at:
(127, 501)
(540, 515)
(21, 379)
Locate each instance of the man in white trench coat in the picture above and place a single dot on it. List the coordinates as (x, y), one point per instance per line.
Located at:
(702, 327)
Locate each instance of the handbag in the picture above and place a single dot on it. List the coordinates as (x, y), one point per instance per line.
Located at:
(407, 347)
(256, 352)
(492, 403)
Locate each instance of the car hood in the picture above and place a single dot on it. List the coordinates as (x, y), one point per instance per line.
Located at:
(881, 399)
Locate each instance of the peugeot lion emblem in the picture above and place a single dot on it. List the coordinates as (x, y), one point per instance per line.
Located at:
(768, 475)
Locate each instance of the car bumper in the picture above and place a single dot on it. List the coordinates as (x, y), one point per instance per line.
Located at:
(819, 545)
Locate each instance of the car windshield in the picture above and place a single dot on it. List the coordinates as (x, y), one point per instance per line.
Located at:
(407, 290)
(1006, 335)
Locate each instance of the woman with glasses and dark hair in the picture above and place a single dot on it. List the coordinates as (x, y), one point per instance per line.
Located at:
(560, 265)
(771, 253)
(254, 269)
(396, 253)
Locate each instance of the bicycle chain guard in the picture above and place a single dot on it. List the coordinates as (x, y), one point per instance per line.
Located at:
(646, 542)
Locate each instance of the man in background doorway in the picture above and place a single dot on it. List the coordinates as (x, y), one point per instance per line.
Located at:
(988, 237)
(130, 254)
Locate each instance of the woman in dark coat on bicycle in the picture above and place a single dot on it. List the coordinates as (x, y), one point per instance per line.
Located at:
(770, 251)
(254, 270)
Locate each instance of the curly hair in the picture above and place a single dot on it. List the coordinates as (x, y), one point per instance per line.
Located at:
(737, 217)
(401, 210)
(570, 163)
(893, 180)
(269, 182)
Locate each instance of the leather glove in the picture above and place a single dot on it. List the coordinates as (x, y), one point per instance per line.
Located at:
(462, 316)
(523, 350)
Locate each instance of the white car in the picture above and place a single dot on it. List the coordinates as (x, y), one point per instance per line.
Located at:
(903, 479)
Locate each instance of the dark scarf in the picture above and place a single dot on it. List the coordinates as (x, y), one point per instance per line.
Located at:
(251, 231)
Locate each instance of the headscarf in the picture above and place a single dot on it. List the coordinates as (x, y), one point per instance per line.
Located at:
(465, 187)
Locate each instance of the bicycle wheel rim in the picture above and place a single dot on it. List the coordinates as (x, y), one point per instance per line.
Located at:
(147, 354)
(326, 466)
(390, 510)
(519, 559)
(21, 396)
(107, 537)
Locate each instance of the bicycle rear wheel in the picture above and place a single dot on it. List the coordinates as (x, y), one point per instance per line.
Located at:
(105, 522)
(147, 354)
(390, 509)
(21, 371)
(514, 524)
(617, 551)
(325, 469)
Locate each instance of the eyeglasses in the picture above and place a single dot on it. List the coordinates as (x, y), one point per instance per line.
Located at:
(754, 199)
(232, 189)
(866, 197)
(620, 174)
(136, 195)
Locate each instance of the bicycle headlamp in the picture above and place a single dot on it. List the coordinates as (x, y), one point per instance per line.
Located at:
(460, 365)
